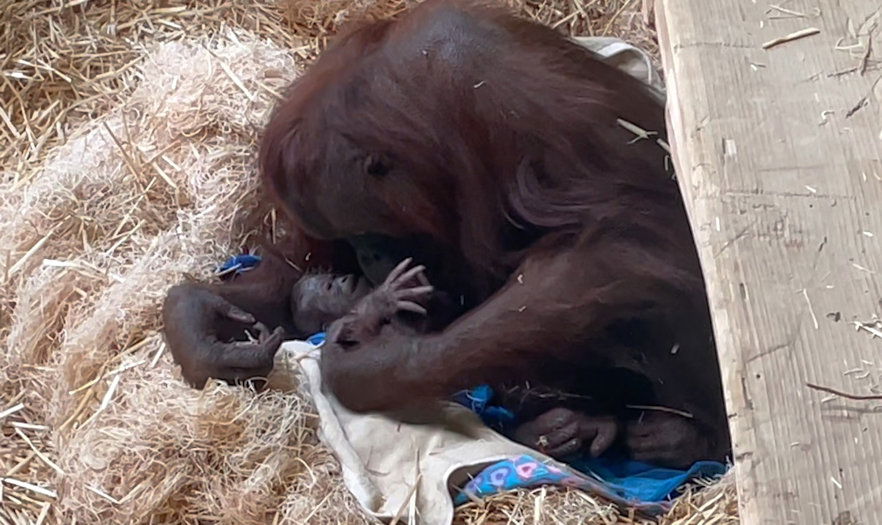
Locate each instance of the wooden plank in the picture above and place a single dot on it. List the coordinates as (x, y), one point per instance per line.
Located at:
(779, 154)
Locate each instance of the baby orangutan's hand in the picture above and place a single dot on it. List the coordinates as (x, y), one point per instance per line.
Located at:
(404, 290)
(399, 292)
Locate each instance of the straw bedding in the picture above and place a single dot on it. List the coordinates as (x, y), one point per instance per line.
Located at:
(127, 156)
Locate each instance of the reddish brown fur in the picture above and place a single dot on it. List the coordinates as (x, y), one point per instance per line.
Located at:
(499, 142)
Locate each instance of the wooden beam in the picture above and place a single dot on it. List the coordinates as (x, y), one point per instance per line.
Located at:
(778, 146)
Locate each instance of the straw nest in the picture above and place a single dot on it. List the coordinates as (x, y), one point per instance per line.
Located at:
(127, 161)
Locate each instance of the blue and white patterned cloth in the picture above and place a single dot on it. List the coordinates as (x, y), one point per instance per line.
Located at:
(640, 483)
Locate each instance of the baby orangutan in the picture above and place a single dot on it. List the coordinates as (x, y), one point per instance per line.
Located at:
(318, 299)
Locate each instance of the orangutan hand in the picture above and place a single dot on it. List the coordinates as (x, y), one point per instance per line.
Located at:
(195, 317)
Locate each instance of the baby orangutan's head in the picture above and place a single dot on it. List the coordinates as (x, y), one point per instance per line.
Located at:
(318, 299)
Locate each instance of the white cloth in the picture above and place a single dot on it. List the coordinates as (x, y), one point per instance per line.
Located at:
(400, 466)
(626, 57)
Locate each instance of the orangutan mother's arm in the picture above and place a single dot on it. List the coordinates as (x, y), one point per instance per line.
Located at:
(557, 298)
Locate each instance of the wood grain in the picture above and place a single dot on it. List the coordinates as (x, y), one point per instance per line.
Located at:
(779, 154)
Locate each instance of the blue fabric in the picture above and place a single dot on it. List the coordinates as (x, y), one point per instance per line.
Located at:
(527, 472)
(638, 481)
(645, 487)
(519, 472)
(479, 400)
(317, 339)
(239, 264)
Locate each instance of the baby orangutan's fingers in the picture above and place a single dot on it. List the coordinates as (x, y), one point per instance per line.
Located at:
(272, 343)
(265, 336)
(262, 331)
(420, 292)
(409, 306)
(406, 277)
(397, 271)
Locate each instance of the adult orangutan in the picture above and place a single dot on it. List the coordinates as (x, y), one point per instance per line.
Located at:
(491, 150)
